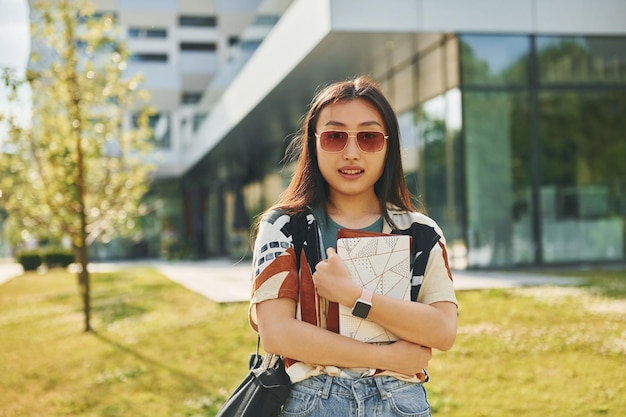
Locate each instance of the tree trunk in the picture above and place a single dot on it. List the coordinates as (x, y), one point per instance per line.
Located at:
(84, 284)
(80, 241)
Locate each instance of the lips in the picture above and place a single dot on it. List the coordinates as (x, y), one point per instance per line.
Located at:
(351, 171)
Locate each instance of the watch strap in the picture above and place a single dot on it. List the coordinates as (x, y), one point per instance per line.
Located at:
(366, 296)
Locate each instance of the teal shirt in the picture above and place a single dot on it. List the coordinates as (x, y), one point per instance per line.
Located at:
(329, 228)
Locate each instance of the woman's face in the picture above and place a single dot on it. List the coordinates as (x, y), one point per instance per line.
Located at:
(350, 172)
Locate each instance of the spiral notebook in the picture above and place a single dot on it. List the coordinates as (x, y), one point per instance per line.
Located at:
(382, 264)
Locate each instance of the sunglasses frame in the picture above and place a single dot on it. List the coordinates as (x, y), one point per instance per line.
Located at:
(351, 133)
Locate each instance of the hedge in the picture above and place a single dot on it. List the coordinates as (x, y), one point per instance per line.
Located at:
(58, 258)
(52, 257)
(30, 260)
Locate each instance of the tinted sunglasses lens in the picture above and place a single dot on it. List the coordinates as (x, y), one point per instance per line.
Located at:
(333, 141)
(370, 141)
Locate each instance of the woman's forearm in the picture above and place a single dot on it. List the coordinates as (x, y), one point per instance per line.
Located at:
(284, 335)
(308, 343)
(433, 325)
(281, 333)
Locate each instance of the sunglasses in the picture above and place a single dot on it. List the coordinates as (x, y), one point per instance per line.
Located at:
(337, 140)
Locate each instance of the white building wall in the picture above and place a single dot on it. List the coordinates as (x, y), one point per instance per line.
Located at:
(197, 6)
(568, 16)
(527, 16)
(185, 71)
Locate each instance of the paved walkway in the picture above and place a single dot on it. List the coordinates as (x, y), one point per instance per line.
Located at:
(9, 270)
(224, 280)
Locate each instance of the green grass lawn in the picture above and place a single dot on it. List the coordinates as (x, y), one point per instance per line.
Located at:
(161, 350)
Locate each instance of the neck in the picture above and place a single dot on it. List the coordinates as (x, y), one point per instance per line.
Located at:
(353, 212)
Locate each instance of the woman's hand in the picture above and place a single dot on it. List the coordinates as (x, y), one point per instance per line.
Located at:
(407, 358)
(332, 280)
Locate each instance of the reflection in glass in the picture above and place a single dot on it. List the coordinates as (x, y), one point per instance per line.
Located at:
(494, 60)
(583, 189)
(580, 210)
(581, 59)
(499, 204)
(410, 153)
(440, 129)
(433, 134)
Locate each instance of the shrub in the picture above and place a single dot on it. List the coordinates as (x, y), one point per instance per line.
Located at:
(30, 260)
(58, 257)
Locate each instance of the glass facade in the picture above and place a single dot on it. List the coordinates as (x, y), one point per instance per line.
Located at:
(442, 186)
(581, 105)
(498, 178)
(515, 144)
(581, 60)
(423, 86)
(488, 60)
(544, 148)
(583, 174)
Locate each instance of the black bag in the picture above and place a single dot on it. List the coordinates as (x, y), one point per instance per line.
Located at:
(263, 391)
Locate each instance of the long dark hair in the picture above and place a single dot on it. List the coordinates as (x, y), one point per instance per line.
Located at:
(308, 187)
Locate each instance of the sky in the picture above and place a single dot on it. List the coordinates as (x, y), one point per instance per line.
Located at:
(14, 47)
(14, 33)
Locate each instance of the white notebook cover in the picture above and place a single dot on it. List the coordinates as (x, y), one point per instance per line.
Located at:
(381, 264)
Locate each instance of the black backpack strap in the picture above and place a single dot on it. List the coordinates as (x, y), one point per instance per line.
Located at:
(299, 231)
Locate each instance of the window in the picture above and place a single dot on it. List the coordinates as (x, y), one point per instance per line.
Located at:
(139, 32)
(198, 46)
(442, 179)
(198, 118)
(265, 20)
(544, 172)
(250, 46)
(191, 97)
(198, 21)
(160, 125)
(145, 57)
(583, 187)
(82, 19)
(498, 178)
(494, 60)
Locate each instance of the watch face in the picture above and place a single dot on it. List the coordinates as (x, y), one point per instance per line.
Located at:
(361, 309)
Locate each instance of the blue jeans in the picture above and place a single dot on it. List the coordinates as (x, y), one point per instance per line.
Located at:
(382, 396)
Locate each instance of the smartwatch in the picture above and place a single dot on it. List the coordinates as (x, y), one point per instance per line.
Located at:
(363, 304)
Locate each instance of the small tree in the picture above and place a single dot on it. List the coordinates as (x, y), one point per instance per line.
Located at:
(78, 170)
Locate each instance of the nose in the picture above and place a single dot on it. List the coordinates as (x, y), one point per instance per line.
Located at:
(351, 151)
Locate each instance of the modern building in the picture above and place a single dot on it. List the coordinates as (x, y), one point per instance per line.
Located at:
(511, 113)
(181, 48)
